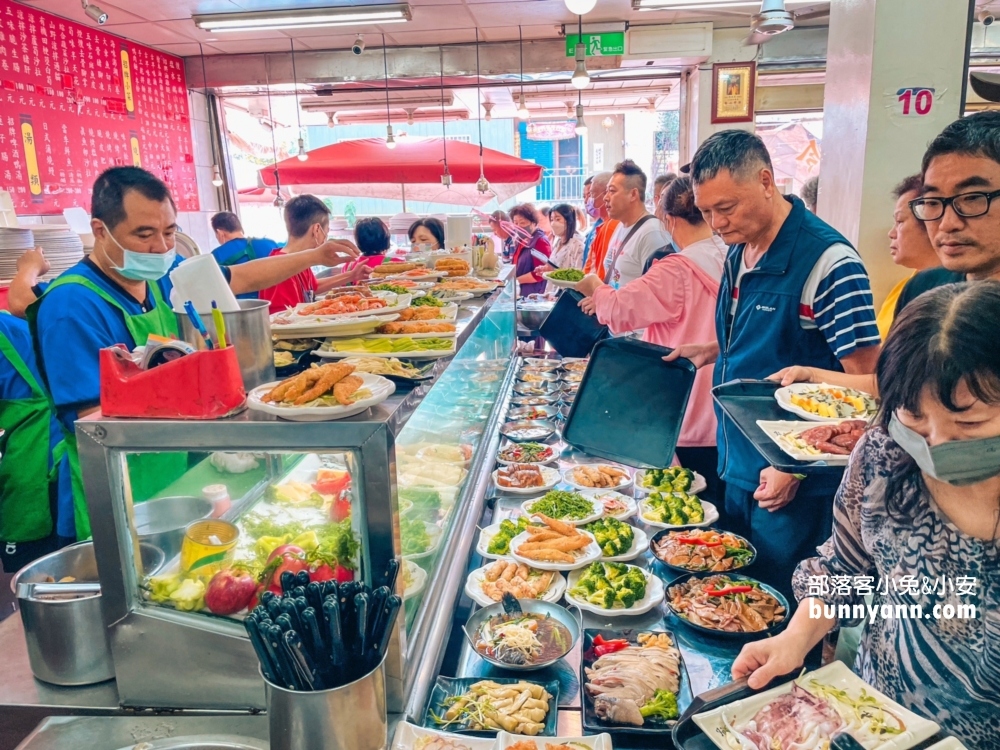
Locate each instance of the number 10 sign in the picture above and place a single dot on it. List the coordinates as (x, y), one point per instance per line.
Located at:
(915, 101)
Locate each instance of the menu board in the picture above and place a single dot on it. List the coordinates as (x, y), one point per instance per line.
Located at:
(74, 101)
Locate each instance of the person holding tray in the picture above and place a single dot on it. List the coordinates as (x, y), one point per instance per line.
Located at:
(918, 505)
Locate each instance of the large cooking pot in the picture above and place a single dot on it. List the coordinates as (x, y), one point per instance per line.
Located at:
(161, 522)
(63, 625)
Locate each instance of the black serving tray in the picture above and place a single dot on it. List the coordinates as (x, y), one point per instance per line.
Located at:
(744, 402)
(630, 404)
(591, 723)
(569, 330)
(448, 687)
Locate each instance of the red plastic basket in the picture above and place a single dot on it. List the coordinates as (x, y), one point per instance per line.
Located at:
(203, 385)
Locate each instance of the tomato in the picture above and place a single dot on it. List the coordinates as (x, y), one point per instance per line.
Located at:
(340, 509)
(331, 481)
(326, 572)
(292, 560)
(283, 550)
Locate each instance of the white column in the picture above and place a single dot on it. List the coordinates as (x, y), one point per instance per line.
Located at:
(872, 138)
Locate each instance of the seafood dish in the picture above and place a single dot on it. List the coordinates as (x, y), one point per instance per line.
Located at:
(328, 385)
(674, 479)
(556, 544)
(347, 303)
(731, 604)
(598, 476)
(419, 313)
(571, 507)
(613, 537)
(837, 439)
(518, 707)
(826, 402)
(519, 476)
(407, 328)
(517, 579)
(609, 586)
(452, 266)
(673, 509)
(633, 684)
(616, 505)
(699, 550)
(520, 639)
(526, 453)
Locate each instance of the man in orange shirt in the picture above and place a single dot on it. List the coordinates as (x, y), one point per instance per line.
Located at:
(605, 227)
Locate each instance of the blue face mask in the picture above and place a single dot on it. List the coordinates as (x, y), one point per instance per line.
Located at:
(143, 266)
(592, 209)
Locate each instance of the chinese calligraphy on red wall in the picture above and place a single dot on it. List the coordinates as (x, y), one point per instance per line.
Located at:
(75, 101)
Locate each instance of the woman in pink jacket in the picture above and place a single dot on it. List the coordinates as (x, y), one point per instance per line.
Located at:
(675, 303)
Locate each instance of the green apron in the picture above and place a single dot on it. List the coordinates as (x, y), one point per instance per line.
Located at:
(246, 255)
(25, 476)
(148, 472)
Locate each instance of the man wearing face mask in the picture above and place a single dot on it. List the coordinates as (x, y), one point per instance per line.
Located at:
(118, 295)
(603, 229)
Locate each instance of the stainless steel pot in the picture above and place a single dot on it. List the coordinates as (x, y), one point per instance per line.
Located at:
(161, 522)
(533, 607)
(65, 633)
(249, 330)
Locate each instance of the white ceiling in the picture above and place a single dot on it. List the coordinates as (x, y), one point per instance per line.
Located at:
(167, 24)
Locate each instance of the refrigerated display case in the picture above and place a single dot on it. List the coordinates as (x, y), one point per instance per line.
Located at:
(340, 499)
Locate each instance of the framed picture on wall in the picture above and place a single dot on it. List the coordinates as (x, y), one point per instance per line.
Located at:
(733, 91)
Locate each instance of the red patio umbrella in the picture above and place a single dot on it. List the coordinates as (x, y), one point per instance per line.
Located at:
(365, 168)
(265, 195)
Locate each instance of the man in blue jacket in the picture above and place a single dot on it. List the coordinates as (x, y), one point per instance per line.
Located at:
(794, 291)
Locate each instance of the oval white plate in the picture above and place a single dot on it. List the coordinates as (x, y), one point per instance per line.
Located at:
(435, 533)
(503, 462)
(380, 387)
(711, 516)
(321, 328)
(652, 599)
(640, 543)
(454, 296)
(560, 283)
(630, 505)
(591, 553)
(401, 302)
(783, 397)
(550, 475)
(699, 485)
(429, 276)
(598, 511)
(568, 479)
(407, 736)
(438, 335)
(474, 587)
(427, 454)
(591, 742)
(419, 576)
(424, 354)
(483, 544)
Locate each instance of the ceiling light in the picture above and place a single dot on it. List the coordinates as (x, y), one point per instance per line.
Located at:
(302, 150)
(581, 78)
(390, 141)
(488, 106)
(279, 201)
(581, 126)
(331, 119)
(580, 7)
(692, 4)
(608, 122)
(307, 18)
(216, 176)
(94, 13)
(522, 110)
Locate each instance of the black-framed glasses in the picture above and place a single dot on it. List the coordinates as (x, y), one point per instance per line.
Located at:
(966, 205)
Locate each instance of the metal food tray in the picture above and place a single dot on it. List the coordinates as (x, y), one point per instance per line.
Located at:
(744, 402)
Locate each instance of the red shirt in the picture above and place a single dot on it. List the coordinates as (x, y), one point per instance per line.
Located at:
(290, 292)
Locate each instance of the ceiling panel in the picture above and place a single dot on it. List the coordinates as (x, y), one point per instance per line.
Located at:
(188, 49)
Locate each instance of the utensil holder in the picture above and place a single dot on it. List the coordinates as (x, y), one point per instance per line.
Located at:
(248, 331)
(350, 717)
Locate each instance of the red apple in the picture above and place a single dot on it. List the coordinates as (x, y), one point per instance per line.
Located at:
(229, 591)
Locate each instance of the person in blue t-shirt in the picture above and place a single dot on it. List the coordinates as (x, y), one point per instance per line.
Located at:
(235, 247)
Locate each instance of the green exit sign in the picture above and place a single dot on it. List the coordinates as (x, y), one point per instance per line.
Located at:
(598, 45)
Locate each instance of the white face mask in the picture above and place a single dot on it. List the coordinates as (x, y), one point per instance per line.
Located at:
(142, 266)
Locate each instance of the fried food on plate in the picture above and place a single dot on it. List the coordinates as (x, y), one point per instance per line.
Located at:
(387, 269)
(419, 313)
(556, 542)
(344, 390)
(415, 327)
(312, 384)
(330, 376)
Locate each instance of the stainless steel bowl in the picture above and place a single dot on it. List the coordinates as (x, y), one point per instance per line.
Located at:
(530, 607)
(529, 375)
(161, 522)
(536, 389)
(530, 412)
(541, 363)
(509, 429)
(532, 318)
(547, 400)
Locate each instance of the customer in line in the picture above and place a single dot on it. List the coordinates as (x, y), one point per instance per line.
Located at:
(234, 246)
(810, 193)
(497, 220)
(526, 264)
(544, 225)
(118, 295)
(307, 220)
(427, 234)
(675, 303)
(371, 235)
(603, 229)
(794, 290)
(918, 503)
(639, 233)
(567, 249)
(590, 210)
(661, 183)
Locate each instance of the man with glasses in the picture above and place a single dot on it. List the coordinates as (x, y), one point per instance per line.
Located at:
(961, 185)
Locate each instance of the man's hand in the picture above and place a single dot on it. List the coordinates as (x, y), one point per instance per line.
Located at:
(776, 489)
(589, 284)
(588, 306)
(794, 374)
(699, 354)
(33, 261)
(360, 272)
(336, 252)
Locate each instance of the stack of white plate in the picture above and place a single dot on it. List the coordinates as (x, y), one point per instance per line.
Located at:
(400, 223)
(13, 242)
(63, 247)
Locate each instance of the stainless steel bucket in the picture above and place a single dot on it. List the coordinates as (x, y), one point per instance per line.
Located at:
(249, 330)
(66, 638)
(161, 522)
(350, 717)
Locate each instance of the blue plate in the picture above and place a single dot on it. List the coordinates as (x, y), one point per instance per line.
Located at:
(737, 578)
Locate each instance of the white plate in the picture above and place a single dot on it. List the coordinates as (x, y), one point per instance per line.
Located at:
(417, 285)
(419, 579)
(778, 431)
(446, 335)
(592, 742)
(836, 674)
(598, 510)
(569, 480)
(591, 553)
(481, 292)
(483, 544)
(429, 276)
(435, 533)
(652, 599)
(697, 486)
(630, 510)
(949, 744)
(430, 354)
(502, 462)
(454, 296)
(321, 327)
(640, 543)
(407, 735)
(550, 475)
(560, 283)
(783, 397)
(711, 516)
(402, 301)
(474, 586)
(380, 387)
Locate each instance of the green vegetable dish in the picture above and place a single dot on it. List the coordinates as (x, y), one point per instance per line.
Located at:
(426, 301)
(610, 585)
(414, 537)
(500, 544)
(614, 537)
(395, 289)
(673, 508)
(674, 479)
(563, 506)
(567, 274)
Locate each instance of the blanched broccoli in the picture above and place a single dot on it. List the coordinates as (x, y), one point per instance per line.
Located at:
(662, 706)
(595, 569)
(604, 598)
(602, 584)
(625, 597)
(588, 585)
(615, 570)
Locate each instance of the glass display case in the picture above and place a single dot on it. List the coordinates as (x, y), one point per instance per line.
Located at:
(233, 503)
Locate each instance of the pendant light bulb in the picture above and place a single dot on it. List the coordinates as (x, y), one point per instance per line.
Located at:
(390, 140)
(580, 7)
(522, 110)
(279, 202)
(216, 176)
(302, 150)
(581, 78)
(581, 126)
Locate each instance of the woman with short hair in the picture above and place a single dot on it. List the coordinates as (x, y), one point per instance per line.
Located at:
(526, 265)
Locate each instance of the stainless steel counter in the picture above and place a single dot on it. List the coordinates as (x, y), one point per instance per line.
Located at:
(105, 733)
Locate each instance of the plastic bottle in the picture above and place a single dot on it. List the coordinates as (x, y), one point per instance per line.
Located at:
(218, 495)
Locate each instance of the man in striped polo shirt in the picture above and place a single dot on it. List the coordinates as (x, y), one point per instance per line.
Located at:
(794, 292)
